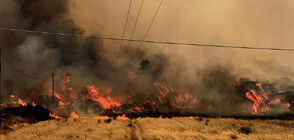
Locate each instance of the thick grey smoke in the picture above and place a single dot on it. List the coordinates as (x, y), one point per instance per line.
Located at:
(211, 75)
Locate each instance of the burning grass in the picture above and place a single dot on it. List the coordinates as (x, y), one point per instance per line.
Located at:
(266, 98)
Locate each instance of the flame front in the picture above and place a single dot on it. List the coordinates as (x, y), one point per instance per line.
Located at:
(66, 96)
(165, 96)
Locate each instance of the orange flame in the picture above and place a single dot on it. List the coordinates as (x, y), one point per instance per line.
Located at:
(96, 95)
(182, 100)
(34, 104)
(261, 100)
(259, 105)
(66, 96)
(12, 99)
(275, 101)
(74, 115)
(67, 77)
(21, 102)
(287, 105)
(101, 118)
(122, 117)
(54, 116)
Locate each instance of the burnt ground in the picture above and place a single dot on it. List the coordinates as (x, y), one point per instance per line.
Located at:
(15, 114)
(247, 116)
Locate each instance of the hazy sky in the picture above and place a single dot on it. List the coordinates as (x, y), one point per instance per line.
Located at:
(260, 23)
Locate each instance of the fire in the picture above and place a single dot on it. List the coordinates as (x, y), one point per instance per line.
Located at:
(182, 100)
(105, 100)
(163, 88)
(165, 96)
(262, 101)
(259, 104)
(101, 118)
(12, 99)
(21, 102)
(74, 115)
(66, 95)
(122, 117)
(54, 116)
(275, 101)
(34, 104)
(67, 77)
(287, 105)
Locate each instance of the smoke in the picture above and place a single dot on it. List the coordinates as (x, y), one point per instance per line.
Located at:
(33, 52)
(209, 22)
(211, 74)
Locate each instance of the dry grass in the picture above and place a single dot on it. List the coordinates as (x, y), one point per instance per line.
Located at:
(72, 129)
(153, 128)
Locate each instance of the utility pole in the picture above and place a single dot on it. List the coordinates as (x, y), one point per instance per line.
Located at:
(52, 91)
(0, 87)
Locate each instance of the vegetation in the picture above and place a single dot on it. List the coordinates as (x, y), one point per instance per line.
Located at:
(154, 128)
(245, 130)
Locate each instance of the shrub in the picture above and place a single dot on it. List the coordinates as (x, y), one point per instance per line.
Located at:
(245, 130)
(233, 137)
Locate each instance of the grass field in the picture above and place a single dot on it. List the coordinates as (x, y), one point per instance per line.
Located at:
(154, 128)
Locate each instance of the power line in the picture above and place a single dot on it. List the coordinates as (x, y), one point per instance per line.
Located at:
(148, 41)
(19, 71)
(134, 28)
(126, 23)
(159, 6)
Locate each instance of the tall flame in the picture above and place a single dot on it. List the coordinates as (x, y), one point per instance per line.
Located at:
(262, 101)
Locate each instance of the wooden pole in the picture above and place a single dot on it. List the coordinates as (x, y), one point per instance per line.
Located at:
(0, 87)
(52, 91)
